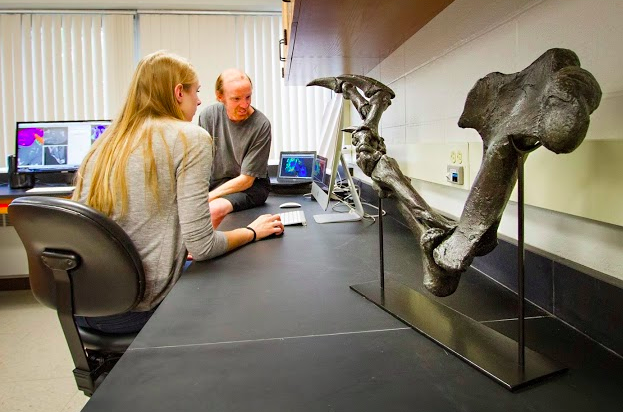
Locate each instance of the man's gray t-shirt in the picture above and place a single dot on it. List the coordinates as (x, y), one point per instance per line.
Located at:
(240, 147)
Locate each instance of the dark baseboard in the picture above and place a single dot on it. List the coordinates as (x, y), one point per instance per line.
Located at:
(587, 300)
(21, 283)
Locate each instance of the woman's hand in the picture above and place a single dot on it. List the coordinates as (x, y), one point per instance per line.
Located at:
(267, 225)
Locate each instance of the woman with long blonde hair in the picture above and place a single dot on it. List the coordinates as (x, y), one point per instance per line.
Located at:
(150, 172)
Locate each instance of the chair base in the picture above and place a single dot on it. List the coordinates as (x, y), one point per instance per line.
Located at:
(85, 381)
(101, 364)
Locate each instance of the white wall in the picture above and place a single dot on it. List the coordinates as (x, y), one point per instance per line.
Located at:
(12, 254)
(433, 71)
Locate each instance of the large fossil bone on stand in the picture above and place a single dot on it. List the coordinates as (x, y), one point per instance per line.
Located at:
(548, 104)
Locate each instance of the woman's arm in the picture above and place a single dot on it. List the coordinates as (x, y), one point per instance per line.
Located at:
(193, 176)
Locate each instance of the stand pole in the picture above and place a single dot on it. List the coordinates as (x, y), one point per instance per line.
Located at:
(520, 259)
(381, 260)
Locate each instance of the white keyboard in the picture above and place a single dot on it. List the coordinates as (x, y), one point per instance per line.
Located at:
(51, 189)
(294, 217)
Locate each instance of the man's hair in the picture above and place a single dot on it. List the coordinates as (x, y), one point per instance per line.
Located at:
(227, 76)
(151, 96)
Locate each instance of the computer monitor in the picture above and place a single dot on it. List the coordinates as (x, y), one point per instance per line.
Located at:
(319, 173)
(45, 147)
(331, 152)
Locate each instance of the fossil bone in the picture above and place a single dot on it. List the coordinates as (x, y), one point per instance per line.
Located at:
(549, 103)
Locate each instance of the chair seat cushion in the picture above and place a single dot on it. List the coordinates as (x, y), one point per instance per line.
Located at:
(104, 342)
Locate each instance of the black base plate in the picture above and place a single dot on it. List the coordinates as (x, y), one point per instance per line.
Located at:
(490, 352)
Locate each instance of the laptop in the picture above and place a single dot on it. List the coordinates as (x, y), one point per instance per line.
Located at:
(295, 167)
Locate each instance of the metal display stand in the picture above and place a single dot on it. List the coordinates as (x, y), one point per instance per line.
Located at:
(501, 358)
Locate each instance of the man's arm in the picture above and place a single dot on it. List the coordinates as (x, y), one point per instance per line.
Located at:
(238, 184)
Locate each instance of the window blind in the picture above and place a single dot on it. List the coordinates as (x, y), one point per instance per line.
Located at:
(62, 67)
(251, 43)
(78, 67)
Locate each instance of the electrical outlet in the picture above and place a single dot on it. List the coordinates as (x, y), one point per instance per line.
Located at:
(455, 175)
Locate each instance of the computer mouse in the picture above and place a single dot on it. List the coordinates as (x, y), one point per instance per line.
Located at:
(289, 204)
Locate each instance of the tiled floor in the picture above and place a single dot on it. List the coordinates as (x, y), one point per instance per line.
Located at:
(35, 364)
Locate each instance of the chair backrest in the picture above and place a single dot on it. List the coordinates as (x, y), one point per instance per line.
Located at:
(109, 278)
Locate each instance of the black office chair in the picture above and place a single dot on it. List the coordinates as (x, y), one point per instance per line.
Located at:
(80, 263)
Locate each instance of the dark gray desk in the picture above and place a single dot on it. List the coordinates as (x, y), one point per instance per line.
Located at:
(7, 195)
(275, 327)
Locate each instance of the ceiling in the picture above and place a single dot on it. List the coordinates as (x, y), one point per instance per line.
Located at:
(217, 5)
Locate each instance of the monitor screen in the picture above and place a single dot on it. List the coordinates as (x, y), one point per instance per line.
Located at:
(55, 146)
(296, 165)
(319, 174)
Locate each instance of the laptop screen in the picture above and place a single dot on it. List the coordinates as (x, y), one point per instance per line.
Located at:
(296, 166)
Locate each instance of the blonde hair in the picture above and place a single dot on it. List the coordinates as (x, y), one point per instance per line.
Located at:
(151, 96)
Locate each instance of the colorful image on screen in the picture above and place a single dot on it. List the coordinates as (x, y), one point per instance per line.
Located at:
(56, 146)
(297, 166)
(30, 142)
(96, 131)
(320, 167)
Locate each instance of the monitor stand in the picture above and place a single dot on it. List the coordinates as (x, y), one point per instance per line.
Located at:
(21, 180)
(354, 215)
